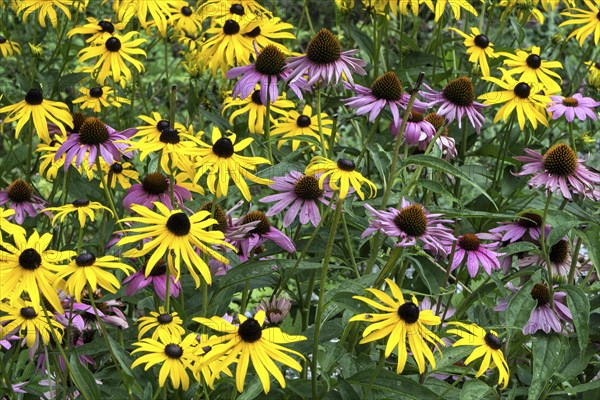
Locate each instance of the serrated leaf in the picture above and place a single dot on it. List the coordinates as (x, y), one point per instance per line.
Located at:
(548, 353)
(579, 305)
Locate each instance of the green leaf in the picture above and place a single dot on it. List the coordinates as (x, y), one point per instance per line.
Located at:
(561, 222)
(519, 247)
(392, 383)
(579, 305)
(520, 306)
(438, 188)
(548, 352)
(69, 80)
(591, 238)
(595, 385)
(474, 390)
(445, 166)
(83, 379)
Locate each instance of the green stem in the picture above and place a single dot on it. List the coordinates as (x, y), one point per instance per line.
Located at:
(380, 364)
(545, 251)
(107, 192)
(572, 135)
(573, 268)
(320, 123)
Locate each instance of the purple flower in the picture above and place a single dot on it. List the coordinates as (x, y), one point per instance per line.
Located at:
(301, 193)
(559, 169)
(410, 223)
(155, 187)
(19, 196)
(455, 101)
(275, 309)
(418, 131)
(94, 136)
(528, 226)
(571, 107)
(560, 259)
(543, 316)
(470, 249)
(157, 278)
(324, 60)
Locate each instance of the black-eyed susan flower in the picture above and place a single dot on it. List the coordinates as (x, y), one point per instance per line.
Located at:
(487, 345)
(86, 269)
(266, 31)
(99, 96)
(525, 9)
(158, 10)
(175, 235)
(455, 5)
(295, 125)
(175, 355)
(401, 321)
(40, 110)
(590, 19)
(479, 48)
(533, 69)
(185, 20)
(83, 207)
(155, 124)
(43, 9)
(111, 55)
(162, 323)
(29, 267)
(207, 370)
(256, 110)
(27, 319)
(222, 162)
(529, 100)
(342, 175)
(250, 343)
(156, 187)
(231, 9)
(9, 48)
(19, 196)
(121, 172)
(97, 29)
(8, 226)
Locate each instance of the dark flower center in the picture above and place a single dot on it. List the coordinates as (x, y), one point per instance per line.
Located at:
(85, 260)
(256, 97)
(412, 220)
(560, 160)
(28, 313)
(324, 48)
(162, 125)
(106, 26)
(2, 40)
(159, 269)
(34, 97)
(250, 331)
(482, 41)
(540, 293)
(436, 120)
(30, 259)
(96, 92)
(415, 116)
(307, 188)
(534, 61)
(346, 165)
(570, 102)
(187, 11)
(263, 226)
(78, 120)
(469, 242)
(230, 27)
(559, 251)
(19, 191)
(529, 220)
(223, 147)
(598, 63)
(113, 44)
(522, 90)
(155, 184)
(270, 61)
(218, 214)
(80, 203)
(303, 121)
(93, 132)
(116, 168)
(460, 92)
(179, 224)
(164, 319)
(387, 87)
(492, 341)
(173, 351)
(237, 9)
(253, 33)
(170, 135)
(409, 312)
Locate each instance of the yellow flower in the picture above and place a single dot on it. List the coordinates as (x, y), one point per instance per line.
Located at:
(479, 47)
(40, 110)
(185, 20)
(401, 320)
(589, 18)
(265, 31)
(342, 171)
(155, 125)
(533, 69)
(347, 5)
(36, 49)
(222, 163)
(207, 369)
(164, 324)
(488, 346)
(249, 343)
(455, 5)
(83, 207)
(7, 226)
(526, 9)
(98, 97)
(9, 48)
(122, 172)
(231, 9)
(295, 125)
(44, 8)
(98, 30)
(159, 10)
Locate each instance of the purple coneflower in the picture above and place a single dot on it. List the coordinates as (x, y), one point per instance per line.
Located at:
(275, 309)
(324, 60)
(157, 278)
(574, 106)
(267, 70)
(418, 131)
(470, 249)
(543, 316)
(299, 192)
(559, 256)
(19, 197)
(445, 143)
(456, 100)
(528, 226)
(410, 223)
(155, 187)
(94, 136)
(559, 169)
